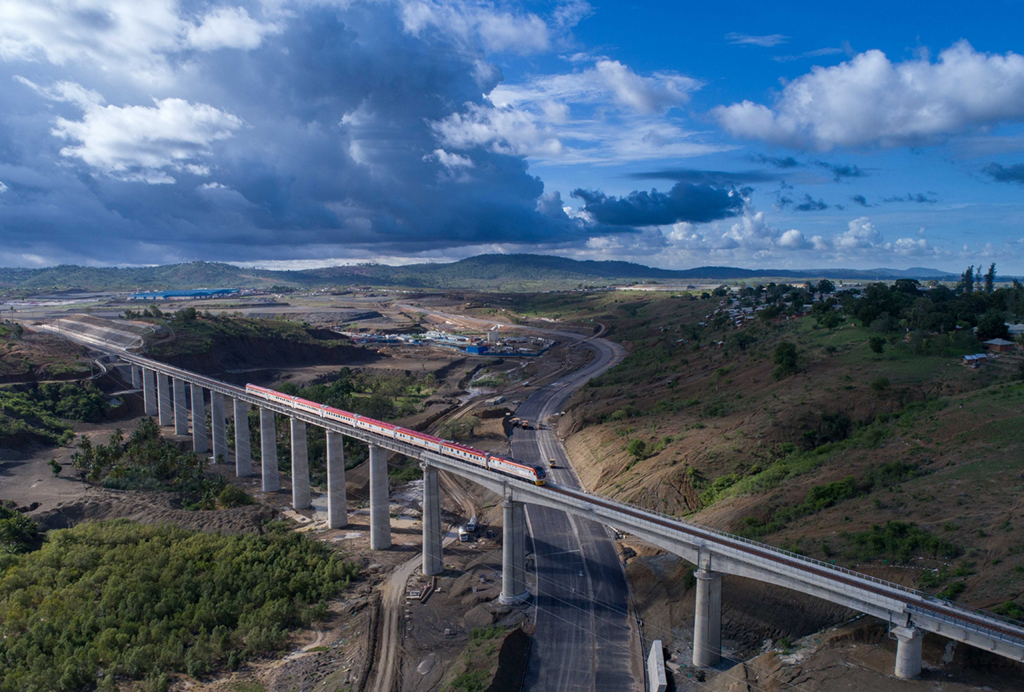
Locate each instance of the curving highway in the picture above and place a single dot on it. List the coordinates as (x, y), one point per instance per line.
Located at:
(582, 636)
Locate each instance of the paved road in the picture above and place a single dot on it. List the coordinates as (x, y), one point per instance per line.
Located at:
(582, 639)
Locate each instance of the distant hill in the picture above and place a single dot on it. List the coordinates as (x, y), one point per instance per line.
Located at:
(514, 272)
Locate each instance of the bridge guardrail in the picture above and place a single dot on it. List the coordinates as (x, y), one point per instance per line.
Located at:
(968, 625)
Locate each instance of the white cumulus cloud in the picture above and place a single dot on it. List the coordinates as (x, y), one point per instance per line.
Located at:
(141, 142)
(860, 234)
(870, 100)
(129, 37)
(229, 27)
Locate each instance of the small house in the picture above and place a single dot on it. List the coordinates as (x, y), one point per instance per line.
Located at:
(999, 345)
(976, 360)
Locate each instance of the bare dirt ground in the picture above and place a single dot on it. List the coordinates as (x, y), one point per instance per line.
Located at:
(856, 656)
(26, 477)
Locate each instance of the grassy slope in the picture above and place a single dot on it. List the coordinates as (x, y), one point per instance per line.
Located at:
(201, 335)
(737, 447)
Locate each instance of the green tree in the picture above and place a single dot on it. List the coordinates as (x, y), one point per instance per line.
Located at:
(786, 358)
(637, 449)
(990, 278)
(876, 344)
(55, 467)
(831, 320)
(992, 326)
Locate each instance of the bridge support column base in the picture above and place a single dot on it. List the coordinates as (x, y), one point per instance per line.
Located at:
(271, 481)
(380, 507)
(908, 652)
(515, 600)
(707, 626)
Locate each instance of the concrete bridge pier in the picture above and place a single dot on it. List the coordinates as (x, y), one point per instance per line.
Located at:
(136, 376)
(300, 466)
(271, 481)
(707, 626)
(433, 558)
(219, 425)
(908, 651)
(149, 391)
(380, 509)
(337, 506)
(513, 554)
(243, 453)
(163, 396)
(180, 410)
(200, 445)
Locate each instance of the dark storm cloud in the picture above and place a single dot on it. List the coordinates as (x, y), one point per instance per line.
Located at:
(335, 153)
(840, 171)
(861, 200)
(811, 204)
(787, 162)
(716, 178)
(917, 198)
(808, 203)
(1005, 174)
(684, 202)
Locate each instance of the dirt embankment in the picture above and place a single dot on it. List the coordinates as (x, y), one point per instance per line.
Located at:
(39, 356)
(248, 353)
(153, 508)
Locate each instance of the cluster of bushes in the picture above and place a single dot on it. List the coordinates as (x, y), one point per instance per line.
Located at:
(899, 541)
(145, 461)
(197, 332)
(103, 603)
(821, 497)
(41, 411)
(379, 396)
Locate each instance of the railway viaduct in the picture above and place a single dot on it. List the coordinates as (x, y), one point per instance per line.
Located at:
(909, 613)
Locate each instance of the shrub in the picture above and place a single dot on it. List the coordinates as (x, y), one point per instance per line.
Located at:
(876, 344)
(785, 358)
(637, 449)
(233, 496)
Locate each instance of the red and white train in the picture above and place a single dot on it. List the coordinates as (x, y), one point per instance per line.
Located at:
(534, 474)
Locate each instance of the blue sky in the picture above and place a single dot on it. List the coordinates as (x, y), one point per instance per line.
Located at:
(294, 133)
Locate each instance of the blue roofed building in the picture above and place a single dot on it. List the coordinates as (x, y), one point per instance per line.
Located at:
(193, 294)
